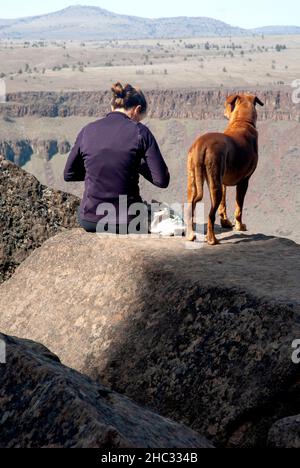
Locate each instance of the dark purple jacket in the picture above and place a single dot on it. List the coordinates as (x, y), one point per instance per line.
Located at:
(109, 155)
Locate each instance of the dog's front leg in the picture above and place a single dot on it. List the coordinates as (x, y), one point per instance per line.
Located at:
(225, 222)
(190, 233)
(241, 191)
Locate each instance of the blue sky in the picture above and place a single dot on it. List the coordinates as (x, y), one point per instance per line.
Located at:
(236, 12)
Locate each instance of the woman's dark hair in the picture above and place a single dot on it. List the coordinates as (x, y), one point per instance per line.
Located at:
(128, 97)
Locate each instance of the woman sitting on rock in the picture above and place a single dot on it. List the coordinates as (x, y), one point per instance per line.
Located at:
(109, 156)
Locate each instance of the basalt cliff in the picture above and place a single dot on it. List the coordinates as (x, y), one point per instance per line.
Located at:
(163, 104)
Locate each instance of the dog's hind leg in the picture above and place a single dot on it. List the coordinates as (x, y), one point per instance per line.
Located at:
(225, 222)
(195, 195)
(214, 180)
(241, 191)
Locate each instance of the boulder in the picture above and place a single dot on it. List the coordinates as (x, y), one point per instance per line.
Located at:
(201, 336)
(30, 213)
(285, 433)
(44, 404)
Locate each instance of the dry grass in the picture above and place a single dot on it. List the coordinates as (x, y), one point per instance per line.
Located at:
(251, 61)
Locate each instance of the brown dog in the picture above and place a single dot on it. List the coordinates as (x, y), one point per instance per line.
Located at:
(224, 159)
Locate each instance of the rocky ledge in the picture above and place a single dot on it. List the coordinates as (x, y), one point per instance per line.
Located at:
(201, 336)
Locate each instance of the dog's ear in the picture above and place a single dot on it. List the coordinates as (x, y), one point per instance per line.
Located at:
(231, 100)
(258, 101)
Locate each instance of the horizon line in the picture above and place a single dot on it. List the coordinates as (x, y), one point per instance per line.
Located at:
(146, 17)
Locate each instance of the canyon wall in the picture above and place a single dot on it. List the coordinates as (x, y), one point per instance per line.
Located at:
(20, 151)
(165, 105)
(180, 103)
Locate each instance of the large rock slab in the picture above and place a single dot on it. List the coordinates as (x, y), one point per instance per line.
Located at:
(30, 213)
(44, 404)
(204, 337)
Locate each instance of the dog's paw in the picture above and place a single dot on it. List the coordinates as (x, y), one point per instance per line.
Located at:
(240, 227)
(212, 240)
(226, 224)
(191, 236)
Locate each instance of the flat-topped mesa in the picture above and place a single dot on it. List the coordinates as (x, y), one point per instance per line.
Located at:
(30, 213)
(203, 336)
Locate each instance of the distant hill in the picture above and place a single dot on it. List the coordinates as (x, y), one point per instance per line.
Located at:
(93, 23)
(278, 30)
(6, 22)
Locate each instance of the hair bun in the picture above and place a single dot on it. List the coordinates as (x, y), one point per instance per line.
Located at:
(118, 90)
(128, 89)
(128, 97)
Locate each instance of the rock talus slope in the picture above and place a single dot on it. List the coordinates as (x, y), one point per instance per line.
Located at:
(203, 337)
(44, 404)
